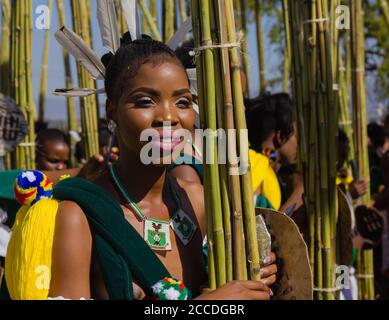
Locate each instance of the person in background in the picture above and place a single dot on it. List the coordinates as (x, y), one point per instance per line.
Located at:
(270, 127)
(378, 146)
(52, 150)
(356, 187)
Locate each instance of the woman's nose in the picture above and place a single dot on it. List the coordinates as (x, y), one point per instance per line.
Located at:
(61, 166)
(168, 114)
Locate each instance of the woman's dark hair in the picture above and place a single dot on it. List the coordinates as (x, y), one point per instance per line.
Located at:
(50, 135)
(126, 62)
(267, 114)
(186, 53)
(343, 138)
(376, 134)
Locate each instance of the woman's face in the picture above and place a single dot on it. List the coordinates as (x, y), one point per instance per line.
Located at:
(53, 156)
(288, 151)
(158, 98)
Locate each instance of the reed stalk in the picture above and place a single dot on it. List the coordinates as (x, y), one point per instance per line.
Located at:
(5, 87)
(5, 47)
(152, 25)
(385, 10)
(72, 125)
(261, 46)
(365, 262)
(287, 51)
(168, 19)
(89, 114)
(241, 22)
(44, 69)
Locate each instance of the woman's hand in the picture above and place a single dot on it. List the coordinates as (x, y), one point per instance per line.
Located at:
(269, 270)
(247, 290)
(96, 164)
(238, 290)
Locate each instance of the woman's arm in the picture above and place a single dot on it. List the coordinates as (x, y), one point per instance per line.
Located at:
(71, 254)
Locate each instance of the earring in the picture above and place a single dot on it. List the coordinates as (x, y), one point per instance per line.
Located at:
(112, 126)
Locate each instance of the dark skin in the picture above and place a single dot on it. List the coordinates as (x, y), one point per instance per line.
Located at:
(54, 156)
(159, 93)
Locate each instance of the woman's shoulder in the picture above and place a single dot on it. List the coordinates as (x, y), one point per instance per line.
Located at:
(71, 220)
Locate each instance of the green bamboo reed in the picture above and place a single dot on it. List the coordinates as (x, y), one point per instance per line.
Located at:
(43, 80)
(154, 11)
(182, 9)
(5, 47)
(240, 123)
(5, 59)
(365, 260)
(287, 51)
(89, 114)
(261, 45)
(71, 103)
(237, 251)
(218, 34)
(241, 23)
(122, 23)
(210, 102)
(201, 94)
(385, 10)
(316, 112)
(21, 81)
(168, 19)
(150, 20)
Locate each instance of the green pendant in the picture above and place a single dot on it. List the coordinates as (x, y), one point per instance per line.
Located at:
(157, 235)
(183, 227)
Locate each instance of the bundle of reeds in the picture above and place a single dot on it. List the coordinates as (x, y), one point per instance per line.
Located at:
(21, 78)
(89, 106)
(71, 103)
(4, 59)
(315, 99)
(365, 257)
(233, 247)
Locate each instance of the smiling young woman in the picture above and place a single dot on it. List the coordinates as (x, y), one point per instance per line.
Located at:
(135, 224)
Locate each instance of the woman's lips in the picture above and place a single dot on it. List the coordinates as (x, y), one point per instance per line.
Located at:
(166, 140)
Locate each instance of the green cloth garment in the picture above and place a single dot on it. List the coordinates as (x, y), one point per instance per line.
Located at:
(8, 202)
(121, 251)
(262, 202)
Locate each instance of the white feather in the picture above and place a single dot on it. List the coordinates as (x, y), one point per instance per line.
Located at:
(129, 9)
(76, 92)
(81, 52)
(179, 36)
(107, 18)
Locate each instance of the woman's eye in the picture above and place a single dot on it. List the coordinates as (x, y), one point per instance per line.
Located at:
(184, 103)
(144, 101)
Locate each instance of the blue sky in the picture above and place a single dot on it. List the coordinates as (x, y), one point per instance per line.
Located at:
(56, 106)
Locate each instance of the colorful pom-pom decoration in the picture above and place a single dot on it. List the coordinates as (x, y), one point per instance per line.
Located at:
(170, 289)
(32, 186)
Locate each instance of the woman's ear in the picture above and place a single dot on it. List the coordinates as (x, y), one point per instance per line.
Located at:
(278, 140)
(110, 111)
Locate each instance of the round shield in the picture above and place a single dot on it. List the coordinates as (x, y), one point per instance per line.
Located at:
(294, 276)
